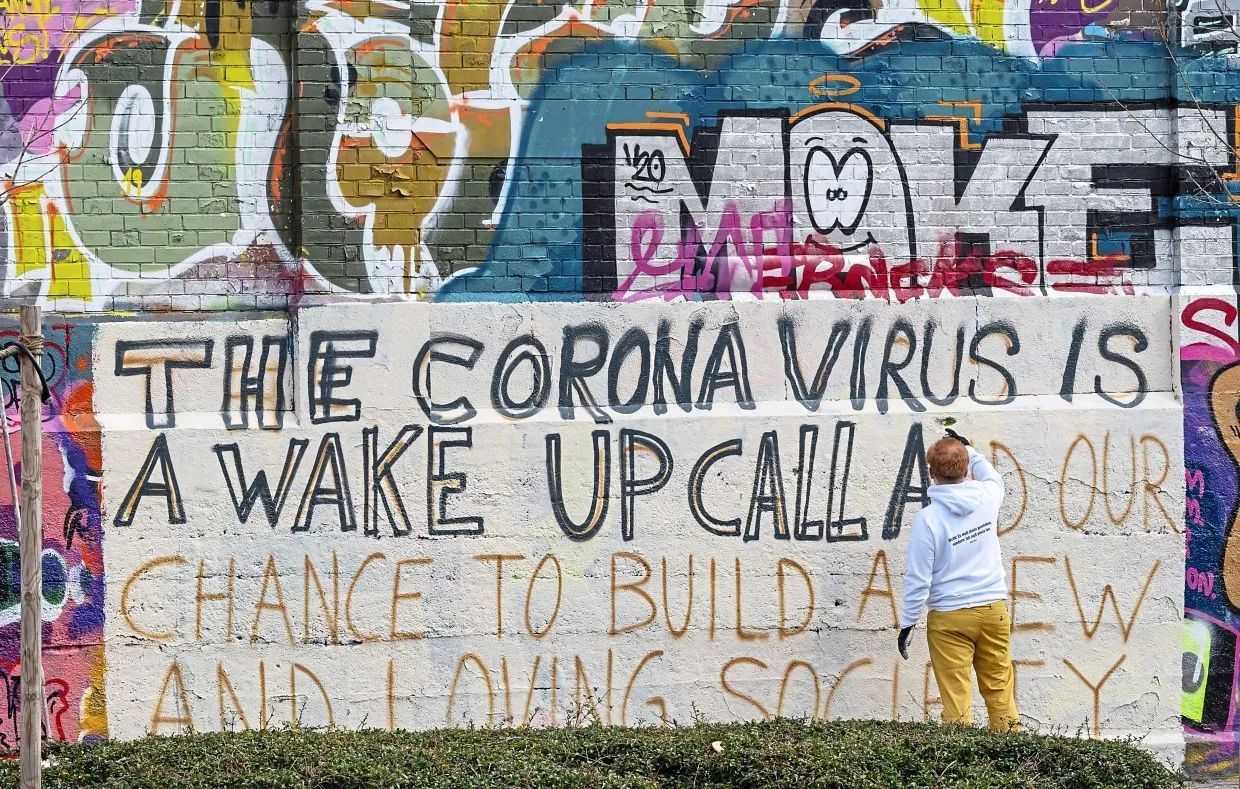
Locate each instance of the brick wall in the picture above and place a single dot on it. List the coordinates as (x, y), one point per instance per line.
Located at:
(230, 155)
(784, 245)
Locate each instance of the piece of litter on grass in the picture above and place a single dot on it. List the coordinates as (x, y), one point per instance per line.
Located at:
(716, 746)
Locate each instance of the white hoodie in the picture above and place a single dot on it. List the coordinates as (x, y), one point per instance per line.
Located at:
(953, 552)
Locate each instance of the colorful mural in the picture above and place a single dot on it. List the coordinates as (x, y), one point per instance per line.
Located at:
(73, 577)
(461, 141)
(1069, 171)
(1210, 372)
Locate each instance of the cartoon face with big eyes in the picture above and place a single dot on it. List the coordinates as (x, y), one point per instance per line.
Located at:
(837, 188)
(848, 192)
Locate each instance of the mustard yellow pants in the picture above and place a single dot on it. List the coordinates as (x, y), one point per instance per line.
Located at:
(974, 640)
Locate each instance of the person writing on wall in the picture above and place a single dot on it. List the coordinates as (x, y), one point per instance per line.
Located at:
(954, 566)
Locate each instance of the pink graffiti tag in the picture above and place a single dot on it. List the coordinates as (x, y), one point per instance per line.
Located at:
(787, 270)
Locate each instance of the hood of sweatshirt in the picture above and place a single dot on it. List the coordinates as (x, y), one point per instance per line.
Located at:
(959, 499)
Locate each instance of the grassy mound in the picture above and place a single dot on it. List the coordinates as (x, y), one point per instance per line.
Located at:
(784, 753)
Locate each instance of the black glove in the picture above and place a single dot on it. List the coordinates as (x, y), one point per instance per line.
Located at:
(953, 434)
(902, 643)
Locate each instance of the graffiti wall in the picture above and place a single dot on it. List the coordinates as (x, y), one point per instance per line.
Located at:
(222, 154)
(640, 512)
(1212, 574)
(548, 362)
(73, 562)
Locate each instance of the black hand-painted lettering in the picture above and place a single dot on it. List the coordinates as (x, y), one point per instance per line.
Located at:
(245, 495)
(841, 528)
(631, 486)
(807, 454)
(890, 371)
(724, 528)
(1139, 343)
(325, 375)
(665, 369)
(156, 359)
(1006, 330)
(1068, 385)
(633, 340)
(522, 350)
(767, 494)
(145, 485)
(601, 490)
(319, 492)
(736, 376)
(259, 391)
(861, 345)
(574, 370)
(380, 486)
(905, 491)
(453, 349)
(810, 395)
(441, 483)
(927, 345)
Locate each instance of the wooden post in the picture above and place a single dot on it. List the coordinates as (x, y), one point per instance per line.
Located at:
(30, 545)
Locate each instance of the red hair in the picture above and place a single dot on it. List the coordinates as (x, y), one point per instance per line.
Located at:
(949, 460)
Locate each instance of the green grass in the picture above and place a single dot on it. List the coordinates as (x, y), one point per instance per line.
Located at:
(783, 753)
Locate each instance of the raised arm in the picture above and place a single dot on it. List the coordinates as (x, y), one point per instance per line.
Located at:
(983, 472)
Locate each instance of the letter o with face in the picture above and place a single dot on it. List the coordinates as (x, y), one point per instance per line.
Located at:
(848, 189)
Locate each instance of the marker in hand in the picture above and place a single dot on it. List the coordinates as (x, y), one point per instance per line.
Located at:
(953, 434)
(902, 643)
